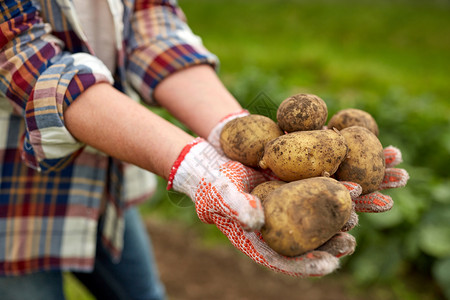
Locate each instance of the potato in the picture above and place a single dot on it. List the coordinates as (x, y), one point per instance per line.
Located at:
(353, 117)
(365, 162)
(263, 189)
(303, 154)
(302, 215)
(243, 139)
(302, 112)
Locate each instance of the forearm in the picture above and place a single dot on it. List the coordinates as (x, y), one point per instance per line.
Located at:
(110, 121)
(197, 98)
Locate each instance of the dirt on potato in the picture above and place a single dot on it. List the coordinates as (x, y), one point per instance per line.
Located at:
(263, 189)
(365, 163)
(302, 112)
(302, 215)
(304, 154)
(243, 139)
(353, 117)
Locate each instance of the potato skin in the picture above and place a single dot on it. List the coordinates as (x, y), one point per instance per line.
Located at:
(302, 215)
(353, 117)
(365, 163)
(304, 154)
(243, 139)
(302, 112)
(263, 189)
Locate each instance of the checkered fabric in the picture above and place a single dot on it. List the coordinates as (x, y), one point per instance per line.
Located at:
(51, 186)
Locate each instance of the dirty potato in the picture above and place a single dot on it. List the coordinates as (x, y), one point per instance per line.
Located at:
(353, 117)
(243, 139)
(302, 112)
(263, 189)
(365, 162)
(304, 154)
(302, 215)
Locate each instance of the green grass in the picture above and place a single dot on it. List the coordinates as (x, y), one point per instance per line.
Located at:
(330, 46)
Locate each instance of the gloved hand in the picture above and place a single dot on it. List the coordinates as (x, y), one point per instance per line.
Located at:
(369, 203)
(220, 189)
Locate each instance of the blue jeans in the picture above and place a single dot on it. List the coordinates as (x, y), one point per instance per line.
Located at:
(134, 277)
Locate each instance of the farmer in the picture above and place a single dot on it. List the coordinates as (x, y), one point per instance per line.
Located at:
(78, 151)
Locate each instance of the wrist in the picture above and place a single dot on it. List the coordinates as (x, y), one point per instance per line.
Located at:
(181, 157)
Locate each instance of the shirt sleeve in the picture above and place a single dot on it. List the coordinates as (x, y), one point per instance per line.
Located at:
(159, 43)
(40, 80)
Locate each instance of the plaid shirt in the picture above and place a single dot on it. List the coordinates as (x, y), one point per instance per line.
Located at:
(51, 186)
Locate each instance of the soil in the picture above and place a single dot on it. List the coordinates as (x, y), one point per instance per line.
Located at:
(192, 270)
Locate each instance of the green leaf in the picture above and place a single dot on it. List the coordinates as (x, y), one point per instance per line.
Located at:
(434, 233)
(379, 260)
(441, 271)
(441, 192)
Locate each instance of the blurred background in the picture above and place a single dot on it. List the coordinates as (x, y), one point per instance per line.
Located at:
(390, 58)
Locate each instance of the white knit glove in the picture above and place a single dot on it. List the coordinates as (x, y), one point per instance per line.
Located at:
(220, 189)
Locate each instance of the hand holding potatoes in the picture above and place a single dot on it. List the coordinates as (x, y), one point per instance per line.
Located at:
(367, 163)
(298, 217)
(220, 189)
